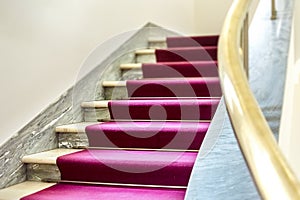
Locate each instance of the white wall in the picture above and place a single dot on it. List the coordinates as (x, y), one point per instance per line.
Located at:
(43, 43)
(205, 15)
(289, 139)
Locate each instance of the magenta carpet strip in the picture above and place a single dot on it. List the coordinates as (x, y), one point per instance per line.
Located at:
(188, 87)
(163, 109)
(93, 192)
(187, 54)
(152, 135)
(180, 69)
(132, 167)
(192, 41)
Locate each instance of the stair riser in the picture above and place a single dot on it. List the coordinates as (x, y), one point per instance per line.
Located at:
(145, 58)
(43, 173)
(72, 140)
(119, 92)
(97, 114)
(156, 45)
(132, 74)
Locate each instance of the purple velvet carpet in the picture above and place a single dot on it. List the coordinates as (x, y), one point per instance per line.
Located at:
(93, 192)
(180, 69)
(184, 87)
(208, 53)
(132, 167)
(145, 123)
(192, 41)
(163, 109)
(153, 135)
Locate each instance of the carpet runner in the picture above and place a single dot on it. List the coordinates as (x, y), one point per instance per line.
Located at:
(163, 109)
(180, 69)
(148, 134)
(150, 145)
(129, 167)
(183, 87)
(206, 53)
(210, 40)
(62, 191)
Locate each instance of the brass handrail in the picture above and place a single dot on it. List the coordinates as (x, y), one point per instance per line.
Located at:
(272, 175)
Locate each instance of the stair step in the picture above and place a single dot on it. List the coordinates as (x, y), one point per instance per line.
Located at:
(148, 134)
(22, 189)
(193, 109)
(180, 69)
(115, 89)
(68, 191)
(190, 41)
(157, 42)
(128, 167)
(47, 157)
(163, 109)
(94, 111)
(95, 104)
(145, 56)
(130, 66)
(42, 166)
(73, 128)
(145, 51)
(175, 87)
(131, 71)
(207, 53)
(114, 83)
(174, 167)
(73, 135)
(157, 39)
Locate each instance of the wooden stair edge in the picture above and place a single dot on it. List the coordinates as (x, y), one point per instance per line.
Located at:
(95, 104)
(73, 128)
(129, 66)
(23, 189)
(47, 157)
(157, 39)
(114, 83)
(145, 51)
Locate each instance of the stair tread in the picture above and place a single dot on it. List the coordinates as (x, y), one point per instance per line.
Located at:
(164, 109)
(48, 157)
(114, 83)
(23, 189)
(145, 51)
(187, 41)
(127, 66)
(148, 134)
(157, 39)
(95, 104)
(73, 128)
(171, 87)
(73, 191)
(129, 167)
(120, 155)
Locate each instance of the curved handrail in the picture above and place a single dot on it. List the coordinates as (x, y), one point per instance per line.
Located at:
(272, 175)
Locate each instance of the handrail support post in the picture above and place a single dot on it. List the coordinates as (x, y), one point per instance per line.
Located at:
(273, 10)
(245, 44)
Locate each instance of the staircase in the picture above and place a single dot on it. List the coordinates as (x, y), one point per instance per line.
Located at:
(142, 141)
